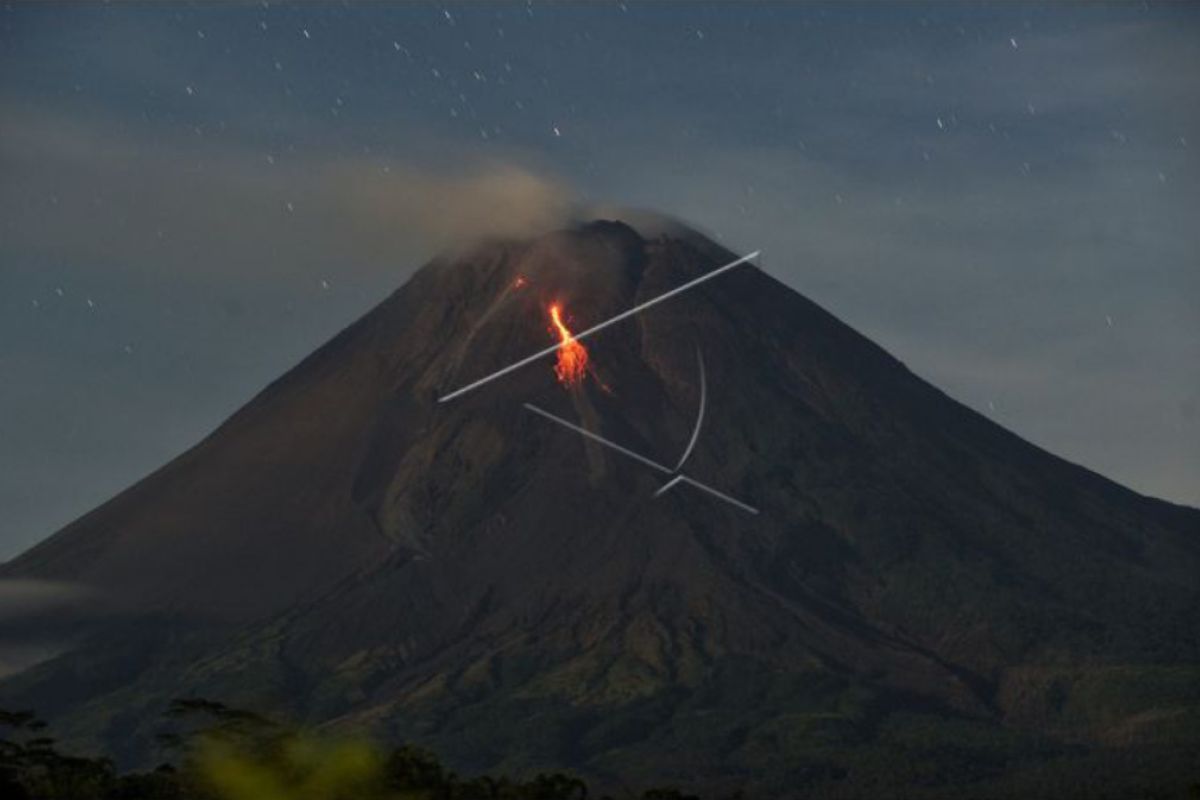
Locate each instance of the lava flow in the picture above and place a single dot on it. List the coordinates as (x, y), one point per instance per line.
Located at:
(572, 356)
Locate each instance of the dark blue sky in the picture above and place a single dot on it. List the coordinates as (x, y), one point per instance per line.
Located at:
(193, 197)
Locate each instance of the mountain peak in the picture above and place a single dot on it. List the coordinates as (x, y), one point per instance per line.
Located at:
(431, 568)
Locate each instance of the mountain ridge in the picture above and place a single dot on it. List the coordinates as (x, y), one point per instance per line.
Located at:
(348, 549)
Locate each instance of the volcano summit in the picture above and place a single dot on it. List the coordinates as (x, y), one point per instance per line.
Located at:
(926, 602)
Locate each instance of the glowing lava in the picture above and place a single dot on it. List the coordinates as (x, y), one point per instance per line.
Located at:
(572, 356)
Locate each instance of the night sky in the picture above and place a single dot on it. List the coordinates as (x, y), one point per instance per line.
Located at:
(192, 198)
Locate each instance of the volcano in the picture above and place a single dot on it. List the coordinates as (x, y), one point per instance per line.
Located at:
(923, 602)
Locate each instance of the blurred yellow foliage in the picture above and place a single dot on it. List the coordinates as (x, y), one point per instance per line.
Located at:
(301, 768)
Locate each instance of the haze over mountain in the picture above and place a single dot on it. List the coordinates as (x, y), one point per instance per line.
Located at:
(924, 601)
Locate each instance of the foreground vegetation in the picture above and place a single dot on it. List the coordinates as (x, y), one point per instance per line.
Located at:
(229, 754)
(221, 753)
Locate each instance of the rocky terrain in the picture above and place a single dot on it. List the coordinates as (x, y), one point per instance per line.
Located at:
(924, 601)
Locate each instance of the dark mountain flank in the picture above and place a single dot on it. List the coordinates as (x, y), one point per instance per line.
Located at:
(924, 602)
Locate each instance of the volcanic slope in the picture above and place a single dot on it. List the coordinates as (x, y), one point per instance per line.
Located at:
(924, 601)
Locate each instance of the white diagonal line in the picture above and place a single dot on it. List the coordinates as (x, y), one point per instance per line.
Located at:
(702, 487)
(597, 438)
(678, 478)
(599, 327)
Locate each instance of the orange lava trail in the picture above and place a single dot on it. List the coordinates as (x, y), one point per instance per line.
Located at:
(572, 363)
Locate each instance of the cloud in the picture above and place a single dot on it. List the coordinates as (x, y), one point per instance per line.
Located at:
(988, 254)
(41, 619)
(15, 658)
(401, 204)
(24, 598)
(204, 255)
(83, 190)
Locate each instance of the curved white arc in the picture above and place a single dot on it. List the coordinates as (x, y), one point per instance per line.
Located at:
(700, 416)
(676, 480)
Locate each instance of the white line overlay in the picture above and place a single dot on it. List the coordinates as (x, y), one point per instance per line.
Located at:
(598, 438)
(599, 327)
(699, 417)
(677, 477)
